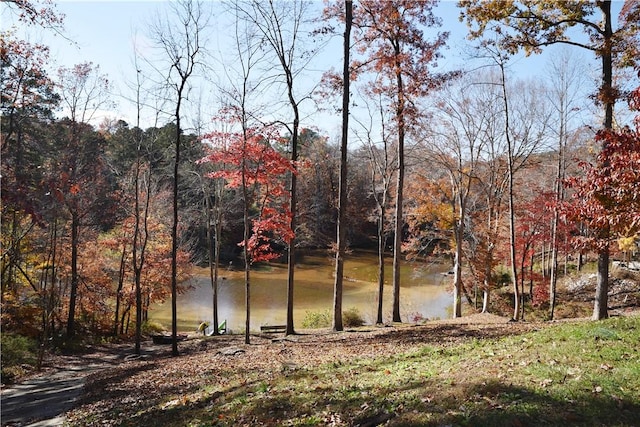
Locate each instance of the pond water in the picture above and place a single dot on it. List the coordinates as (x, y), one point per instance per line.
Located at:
(424, 292)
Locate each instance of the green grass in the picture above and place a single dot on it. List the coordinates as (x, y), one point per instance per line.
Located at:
(567, 374)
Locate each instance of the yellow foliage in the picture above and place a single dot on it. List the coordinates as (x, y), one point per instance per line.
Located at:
(432, 204)
(628, 244)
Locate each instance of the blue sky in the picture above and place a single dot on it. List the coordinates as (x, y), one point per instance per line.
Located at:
(103, 32)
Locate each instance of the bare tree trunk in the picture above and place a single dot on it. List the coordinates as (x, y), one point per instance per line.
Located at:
(119, 290)
(214, 256)
(531, 261)
(141, 227)
(124, 324)
(397, 242)
(75, 225)
(485, 299)
(293, 201)
(554, 237)
(138, 344)
(247, 265)
(522, 293)
(48, 293)
(381, 245)
(139, 244)
(384, 168)
(399, 220)
(486, 293)
(457, 265)
(174, 235)
(342, 185)
(600, 309)
(580, 261)
(543, 261)
(512, 225)
(180, 40)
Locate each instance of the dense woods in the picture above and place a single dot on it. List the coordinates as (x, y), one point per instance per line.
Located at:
(513, 182)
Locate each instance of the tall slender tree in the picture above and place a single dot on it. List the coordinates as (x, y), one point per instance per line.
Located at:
(460, 129)
(84, 91)
(337, 323)
(381, 159)
(566, 78)
(281, 26)
(391, 39)
(522, 137)
(239, 111)
(142, 200)
(504, 98)
(179, 38)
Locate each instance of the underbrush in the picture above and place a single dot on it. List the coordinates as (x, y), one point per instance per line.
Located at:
(574, 298)
(19, 355)
(150, 327)
(317, 319)
(351, 318)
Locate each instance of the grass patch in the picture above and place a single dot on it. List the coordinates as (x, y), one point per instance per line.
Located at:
(585, 373)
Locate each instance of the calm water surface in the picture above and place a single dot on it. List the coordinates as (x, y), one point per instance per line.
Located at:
(424, 292)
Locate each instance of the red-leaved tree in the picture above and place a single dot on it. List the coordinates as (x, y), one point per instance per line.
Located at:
(606, 197)
(259, 170)
(255, 163)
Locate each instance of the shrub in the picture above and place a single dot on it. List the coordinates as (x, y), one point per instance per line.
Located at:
(316, 319)
(352, 318)
(322, 319)
(540, 295)
(149, 328)
(17, 351)
(417, 317)
(501, 275)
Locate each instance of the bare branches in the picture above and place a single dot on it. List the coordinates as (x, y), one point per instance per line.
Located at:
(179, 49)
(179, 42)
(83, 91)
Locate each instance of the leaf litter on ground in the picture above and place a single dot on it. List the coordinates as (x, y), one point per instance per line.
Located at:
(402, 374)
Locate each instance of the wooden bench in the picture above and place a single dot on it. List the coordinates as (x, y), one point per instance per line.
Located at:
(273, 328)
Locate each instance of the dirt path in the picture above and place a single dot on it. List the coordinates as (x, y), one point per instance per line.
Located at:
(43, 399)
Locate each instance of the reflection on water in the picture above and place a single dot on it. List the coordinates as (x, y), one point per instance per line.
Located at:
(424, 292)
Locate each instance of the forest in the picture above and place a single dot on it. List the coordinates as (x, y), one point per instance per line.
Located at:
(514, 182)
